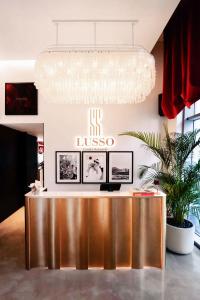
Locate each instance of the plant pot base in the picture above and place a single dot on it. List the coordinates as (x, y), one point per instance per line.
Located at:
(180, 240)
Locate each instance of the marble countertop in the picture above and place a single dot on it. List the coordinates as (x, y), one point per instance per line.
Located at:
(86, 194)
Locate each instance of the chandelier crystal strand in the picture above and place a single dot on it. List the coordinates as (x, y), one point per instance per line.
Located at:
(95, 76)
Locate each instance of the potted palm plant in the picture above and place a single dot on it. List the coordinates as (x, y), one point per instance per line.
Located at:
(178, 177)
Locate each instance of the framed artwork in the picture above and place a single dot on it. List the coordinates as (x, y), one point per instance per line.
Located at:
(68, 167)
(94, 166)
(120, 166)
(21, 99)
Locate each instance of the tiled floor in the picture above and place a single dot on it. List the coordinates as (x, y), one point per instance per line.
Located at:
(180, 280)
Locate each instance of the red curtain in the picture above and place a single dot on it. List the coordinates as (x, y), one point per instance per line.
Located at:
(181, 79)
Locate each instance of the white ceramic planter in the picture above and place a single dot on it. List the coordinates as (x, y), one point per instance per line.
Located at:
(180, 240)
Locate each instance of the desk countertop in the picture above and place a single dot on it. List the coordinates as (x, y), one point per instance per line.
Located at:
(86, 194)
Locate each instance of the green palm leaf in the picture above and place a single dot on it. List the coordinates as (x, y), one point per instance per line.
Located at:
(178, 178)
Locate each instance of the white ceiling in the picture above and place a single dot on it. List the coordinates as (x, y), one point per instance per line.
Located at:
(35, 129)
(26, 28)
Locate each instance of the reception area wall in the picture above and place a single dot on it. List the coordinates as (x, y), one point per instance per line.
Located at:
(62, 123)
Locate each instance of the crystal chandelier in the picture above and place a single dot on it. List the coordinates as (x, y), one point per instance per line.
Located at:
(95, 75)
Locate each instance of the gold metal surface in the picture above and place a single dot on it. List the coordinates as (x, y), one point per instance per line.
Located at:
(54, 233)
(68, 229)
(95, 232)
(36, 232)
(123, 226)
(109, 234)
(81, 247)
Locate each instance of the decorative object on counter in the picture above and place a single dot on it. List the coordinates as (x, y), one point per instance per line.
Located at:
(97, 73)
(143, 193)
(21, 99)
(156, 182)
(68, 167)
(120, 166)
(178, 177)
(36, 187)
(94, 166)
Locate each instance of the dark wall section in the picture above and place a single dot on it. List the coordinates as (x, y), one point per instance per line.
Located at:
(18, 168)
(31, 160)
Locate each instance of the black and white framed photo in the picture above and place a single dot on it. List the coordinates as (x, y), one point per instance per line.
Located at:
(94, 166)
(68, 167)
(120, 166)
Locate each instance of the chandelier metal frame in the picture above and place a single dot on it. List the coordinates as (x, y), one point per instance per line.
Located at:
(94, 22)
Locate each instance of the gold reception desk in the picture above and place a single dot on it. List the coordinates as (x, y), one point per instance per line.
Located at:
(94, 230)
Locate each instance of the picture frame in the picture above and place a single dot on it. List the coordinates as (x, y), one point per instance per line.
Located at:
(68, 167)
(21, 99)
(120, 167)
(94, 167)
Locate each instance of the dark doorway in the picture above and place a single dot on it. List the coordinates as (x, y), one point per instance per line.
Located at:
(18, 165)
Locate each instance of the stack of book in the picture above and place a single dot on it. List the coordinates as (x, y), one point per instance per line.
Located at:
(143, 193)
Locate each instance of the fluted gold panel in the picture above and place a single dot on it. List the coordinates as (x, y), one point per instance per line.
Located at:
(68, 228)
(87, 233)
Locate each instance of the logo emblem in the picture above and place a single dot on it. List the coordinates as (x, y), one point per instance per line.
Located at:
(95, 118)
(95, 138)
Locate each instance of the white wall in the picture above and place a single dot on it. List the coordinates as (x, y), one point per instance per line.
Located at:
(64, 122)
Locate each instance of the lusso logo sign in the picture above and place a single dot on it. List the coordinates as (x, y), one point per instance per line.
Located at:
(95, 139)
